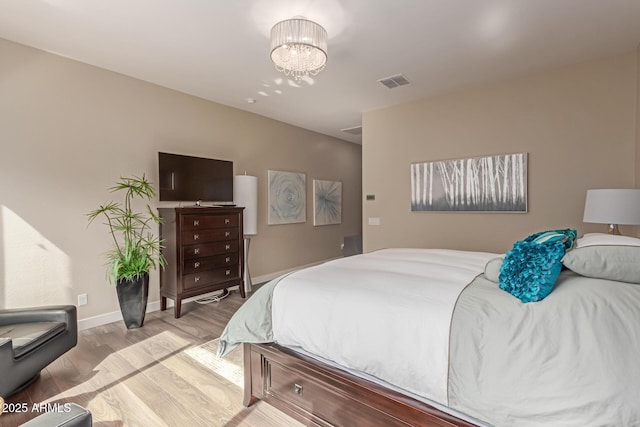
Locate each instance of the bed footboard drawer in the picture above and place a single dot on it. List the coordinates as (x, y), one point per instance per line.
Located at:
(321, 395)
(306, 397)
(292, 386)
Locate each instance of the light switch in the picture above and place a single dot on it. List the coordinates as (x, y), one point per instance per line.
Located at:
(374, 221)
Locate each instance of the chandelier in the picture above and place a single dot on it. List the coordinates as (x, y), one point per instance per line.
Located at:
(298, 47)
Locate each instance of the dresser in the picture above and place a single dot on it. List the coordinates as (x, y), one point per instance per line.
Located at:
(203, 247)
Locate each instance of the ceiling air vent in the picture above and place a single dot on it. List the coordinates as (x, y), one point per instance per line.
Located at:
(395, 81)
(356, 130)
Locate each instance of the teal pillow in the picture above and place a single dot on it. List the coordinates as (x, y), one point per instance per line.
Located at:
(531, 268)
(551, 236)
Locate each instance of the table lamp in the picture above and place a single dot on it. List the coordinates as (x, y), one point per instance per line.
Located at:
(614, 207)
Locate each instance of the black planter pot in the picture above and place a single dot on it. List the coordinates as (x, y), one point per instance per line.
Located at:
(132, 296)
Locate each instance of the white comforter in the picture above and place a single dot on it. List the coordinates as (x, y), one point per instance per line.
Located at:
(367, 324)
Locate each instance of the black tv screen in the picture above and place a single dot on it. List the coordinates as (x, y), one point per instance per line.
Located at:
(188, 178)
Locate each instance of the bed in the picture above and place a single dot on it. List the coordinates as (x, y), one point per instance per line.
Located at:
(427, 337)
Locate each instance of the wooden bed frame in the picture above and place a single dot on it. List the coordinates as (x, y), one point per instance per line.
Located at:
(317, 394)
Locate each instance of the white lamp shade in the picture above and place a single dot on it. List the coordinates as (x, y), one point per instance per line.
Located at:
(298, 47)
(245, 194)
(613, 206)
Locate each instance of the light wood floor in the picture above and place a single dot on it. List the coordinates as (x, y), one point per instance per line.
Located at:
(163, 374)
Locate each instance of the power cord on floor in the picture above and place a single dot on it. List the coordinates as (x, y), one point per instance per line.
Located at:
(214, 298)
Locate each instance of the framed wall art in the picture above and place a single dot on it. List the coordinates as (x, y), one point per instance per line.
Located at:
(327, 202)
(287, 197)
(479, 184)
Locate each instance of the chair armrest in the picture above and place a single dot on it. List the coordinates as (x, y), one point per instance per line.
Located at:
(6, 353)
(5, 343)
(73, 415)
(55, 313)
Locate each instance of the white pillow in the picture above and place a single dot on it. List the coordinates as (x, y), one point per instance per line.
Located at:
(605, 256)
(492, 269)
(603, 239)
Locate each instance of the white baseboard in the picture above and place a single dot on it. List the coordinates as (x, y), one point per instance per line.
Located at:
(267, 277)
(115, 316)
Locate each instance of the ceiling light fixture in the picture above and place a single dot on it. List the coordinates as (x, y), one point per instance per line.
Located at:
(298, 47)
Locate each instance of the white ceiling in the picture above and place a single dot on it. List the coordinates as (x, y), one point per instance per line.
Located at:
(219, 50)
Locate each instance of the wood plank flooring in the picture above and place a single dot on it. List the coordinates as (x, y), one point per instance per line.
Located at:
(163, 374)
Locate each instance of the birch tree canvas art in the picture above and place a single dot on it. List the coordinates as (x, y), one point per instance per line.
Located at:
(479, 184)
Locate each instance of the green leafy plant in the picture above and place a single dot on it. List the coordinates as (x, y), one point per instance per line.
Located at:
(137, 249)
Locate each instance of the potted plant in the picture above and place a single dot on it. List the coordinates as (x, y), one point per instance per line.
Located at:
(136, 249)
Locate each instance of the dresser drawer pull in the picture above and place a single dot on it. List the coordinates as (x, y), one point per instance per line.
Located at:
(196, 251)
(227, 272)
(196, 223)
(227, 233)
(196, 265)
(196, 236)
(227, 220)
(196, 279)
(227, 246)
(297, 389)
(227, 259)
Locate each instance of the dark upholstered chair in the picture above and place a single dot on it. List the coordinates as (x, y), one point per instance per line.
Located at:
(72, 415)
(30, 339)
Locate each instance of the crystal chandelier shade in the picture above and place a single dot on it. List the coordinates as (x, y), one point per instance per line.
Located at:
(298, 47)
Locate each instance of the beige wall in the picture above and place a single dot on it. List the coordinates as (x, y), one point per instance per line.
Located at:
(69, 130)
(636, 229)
(637, 88)
(578, 125)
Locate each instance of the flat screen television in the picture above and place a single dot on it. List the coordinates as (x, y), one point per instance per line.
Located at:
(187, 178)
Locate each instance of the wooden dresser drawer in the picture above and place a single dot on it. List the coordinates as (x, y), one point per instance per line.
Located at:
(203, 247)
(203, 222)
(205, 278)
(202, 264)
(209, 249)
(209, 235)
